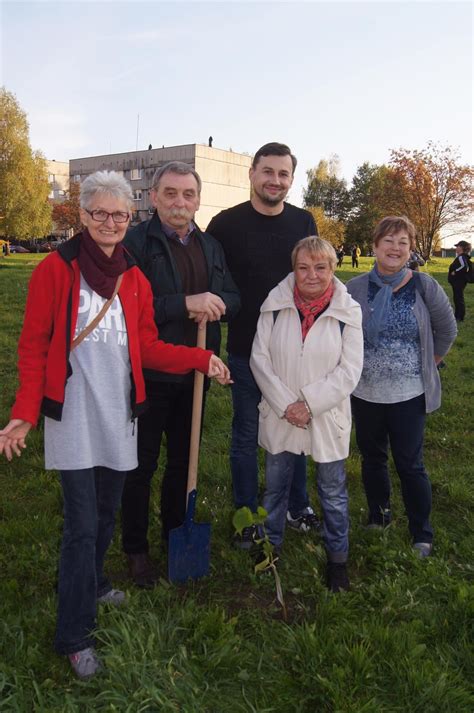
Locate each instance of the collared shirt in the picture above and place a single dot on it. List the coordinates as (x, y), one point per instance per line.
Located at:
(173, 235)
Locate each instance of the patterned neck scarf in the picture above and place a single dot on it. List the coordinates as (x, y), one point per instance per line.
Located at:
(381, 302)
(310, 310)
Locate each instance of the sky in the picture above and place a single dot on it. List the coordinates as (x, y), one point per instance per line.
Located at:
(354, 79)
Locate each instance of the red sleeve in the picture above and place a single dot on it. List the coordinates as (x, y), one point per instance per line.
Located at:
(34, 343)
(159, 355)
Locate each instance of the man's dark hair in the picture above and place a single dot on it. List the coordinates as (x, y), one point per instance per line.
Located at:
(274, 149)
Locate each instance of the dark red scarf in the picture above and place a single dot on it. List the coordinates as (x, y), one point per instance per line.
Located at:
(100, 271)
(310, 310)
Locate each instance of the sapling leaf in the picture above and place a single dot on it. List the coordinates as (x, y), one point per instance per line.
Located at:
(242, 518)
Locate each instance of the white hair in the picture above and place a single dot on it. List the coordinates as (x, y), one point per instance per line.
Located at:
(109, 183)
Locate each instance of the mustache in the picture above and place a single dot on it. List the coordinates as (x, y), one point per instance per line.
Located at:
(180, 213)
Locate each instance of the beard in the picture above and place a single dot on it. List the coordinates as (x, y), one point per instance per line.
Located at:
(270, 200)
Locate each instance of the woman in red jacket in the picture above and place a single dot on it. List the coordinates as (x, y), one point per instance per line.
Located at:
(87, 334)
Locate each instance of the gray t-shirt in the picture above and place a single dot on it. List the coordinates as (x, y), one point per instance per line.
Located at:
(96, 427)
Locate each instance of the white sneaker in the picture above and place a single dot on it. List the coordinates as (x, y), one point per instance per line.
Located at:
(85, 663)
(114, 597)
(306, 522)
(423, 549)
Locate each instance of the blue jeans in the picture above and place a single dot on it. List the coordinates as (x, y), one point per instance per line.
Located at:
(402, 424)
(243, 450)
(91, 500)
(332, 491)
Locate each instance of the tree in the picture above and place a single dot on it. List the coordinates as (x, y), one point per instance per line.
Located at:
(370, 199)
(435, 191)
(24, 188)
(66, 214)
(325, 190)
(328, 228)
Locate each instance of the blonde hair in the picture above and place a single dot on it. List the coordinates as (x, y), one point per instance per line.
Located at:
(315, 246)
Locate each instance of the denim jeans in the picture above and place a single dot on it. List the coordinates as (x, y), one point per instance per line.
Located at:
(91, 500)
(243, 450)
(333, 497)
(402, 424)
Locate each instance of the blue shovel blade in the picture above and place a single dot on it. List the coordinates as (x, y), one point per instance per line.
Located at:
(189, 547)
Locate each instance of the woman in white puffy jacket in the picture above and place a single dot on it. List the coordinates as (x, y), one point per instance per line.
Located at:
(307, 359)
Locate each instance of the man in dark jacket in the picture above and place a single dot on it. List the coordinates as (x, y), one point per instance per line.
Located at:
(191, 287)
(459, 275)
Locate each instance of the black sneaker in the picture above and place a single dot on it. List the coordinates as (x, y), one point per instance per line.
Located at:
(337, 579)
(380, 520)
(306, 522)
(247, 539)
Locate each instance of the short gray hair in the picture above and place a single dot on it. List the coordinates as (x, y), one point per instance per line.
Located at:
(109, 183)
(179, 167)
(315, 246)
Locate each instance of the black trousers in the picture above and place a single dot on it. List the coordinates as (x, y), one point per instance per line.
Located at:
(458, 299)
(169, 412)
(402, 426)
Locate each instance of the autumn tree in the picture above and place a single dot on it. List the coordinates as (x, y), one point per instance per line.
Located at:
(328, 228)
(326, 190)
(66, 214)
(24, 188)
(435, 190)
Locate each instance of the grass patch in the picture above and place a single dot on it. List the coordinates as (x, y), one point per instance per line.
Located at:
(400, 641)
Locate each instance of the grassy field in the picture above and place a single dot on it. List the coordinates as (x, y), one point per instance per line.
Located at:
(401, 640)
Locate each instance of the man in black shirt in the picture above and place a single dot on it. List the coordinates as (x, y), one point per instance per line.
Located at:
(258, 237)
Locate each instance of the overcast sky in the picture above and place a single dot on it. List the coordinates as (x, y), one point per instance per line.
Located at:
(352, 78)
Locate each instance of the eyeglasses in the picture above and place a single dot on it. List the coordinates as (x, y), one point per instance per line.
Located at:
(118, 216)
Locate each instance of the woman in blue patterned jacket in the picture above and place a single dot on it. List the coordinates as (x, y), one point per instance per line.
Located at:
(408, 328)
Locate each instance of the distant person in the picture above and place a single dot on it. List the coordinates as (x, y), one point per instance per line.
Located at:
(307, 359)
(355, 254)
(258, 237)
(210, 141)
(340, 256)
(87, 333)
(415, 261)
(191, 287)
(459, 274)
(408, 328)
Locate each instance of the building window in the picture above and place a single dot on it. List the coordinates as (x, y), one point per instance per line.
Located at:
(77, 178)
(51, 178)
(135, 174)
(137, 195)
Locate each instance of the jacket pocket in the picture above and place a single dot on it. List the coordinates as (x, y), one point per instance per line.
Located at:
(340, 419)
(264, 408)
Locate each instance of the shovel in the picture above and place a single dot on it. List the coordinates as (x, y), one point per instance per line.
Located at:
(189, 544)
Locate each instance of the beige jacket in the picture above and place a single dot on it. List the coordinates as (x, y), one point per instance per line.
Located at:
(323, 370)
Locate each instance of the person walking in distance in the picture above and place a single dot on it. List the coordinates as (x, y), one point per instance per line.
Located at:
(258, 237)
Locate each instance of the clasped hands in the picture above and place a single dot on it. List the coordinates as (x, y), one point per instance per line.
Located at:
(298, 414)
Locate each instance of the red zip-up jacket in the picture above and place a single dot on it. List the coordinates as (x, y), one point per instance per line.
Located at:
(48, 331)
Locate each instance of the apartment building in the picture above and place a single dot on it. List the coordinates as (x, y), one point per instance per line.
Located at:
(224, 175)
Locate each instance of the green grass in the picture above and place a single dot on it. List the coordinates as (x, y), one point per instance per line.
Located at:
(401, 640)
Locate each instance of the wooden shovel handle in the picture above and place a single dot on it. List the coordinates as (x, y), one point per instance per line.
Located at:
(196, 420)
